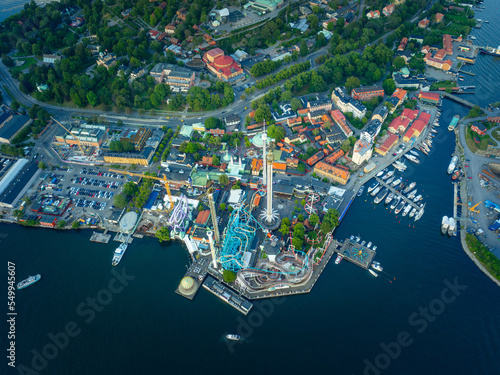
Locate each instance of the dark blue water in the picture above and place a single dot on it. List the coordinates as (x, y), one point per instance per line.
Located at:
(147, 328)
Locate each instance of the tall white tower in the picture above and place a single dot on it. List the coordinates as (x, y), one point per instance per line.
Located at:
(264, 155)
(270, 218)
(212, 248)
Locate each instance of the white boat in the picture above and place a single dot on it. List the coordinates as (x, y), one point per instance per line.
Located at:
(453, 164)
(232, 336)
(369, 244)
(117, 256)
(444, 225)
(381, 172)
(389, 198)
(339, 259)
(373, 186)
(414, 153)
(388, 174)
(413, 194)
(399, 166)
(397, 181)
(374, 248)
(409, 187)
(373, 273)
(451, 227)
(363, 243)
(375, 192)
(395, 202)
(376, 266)
(399, 207)
(412, 212)
(412, 158)
(407, 210)
(389, 181)
(417, 198)
(420, 213)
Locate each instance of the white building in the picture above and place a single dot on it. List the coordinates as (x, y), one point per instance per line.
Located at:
(362, 152)
(346, 103)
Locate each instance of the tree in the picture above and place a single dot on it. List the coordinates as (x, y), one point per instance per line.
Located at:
(215, 160)
(18, 214)
(212, 123)
(42, 165)
(224, 180)
(351, 83)
(285, 228)
(398, 62)
(15, 105)
(75, 225)
(303, 48)
(389, 86)
(313, 219)
(301, 168)
(300, 218)
(61, 224)
(163, 234)
(120, 201)
(330, 221)
(223, 206)
(276, 132)
(229, 276)
(92, 98)
(295, 103)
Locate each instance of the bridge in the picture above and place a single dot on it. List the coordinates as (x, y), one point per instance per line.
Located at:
(457, 99)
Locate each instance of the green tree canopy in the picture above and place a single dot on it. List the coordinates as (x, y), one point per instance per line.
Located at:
(163, 234)
(229, 276)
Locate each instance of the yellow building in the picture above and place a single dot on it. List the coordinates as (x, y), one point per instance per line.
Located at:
(332, 173)
(138, 158)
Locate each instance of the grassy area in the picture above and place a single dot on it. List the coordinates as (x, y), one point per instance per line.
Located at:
(483, 141)
(27, 62)
(446, 84)
(496, 134)
(486, 257)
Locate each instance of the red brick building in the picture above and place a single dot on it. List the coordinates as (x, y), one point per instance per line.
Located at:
(366, 93)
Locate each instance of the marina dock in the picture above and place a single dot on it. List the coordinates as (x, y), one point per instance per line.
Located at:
(121, 237)
(193, 278)
(358, 254)
(100, 237)
(227, 295)
(397, 193)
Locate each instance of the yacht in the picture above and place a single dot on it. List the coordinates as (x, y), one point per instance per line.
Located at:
(412, 212)
(389, 198)
(413, 194)
(395, 202)
(381, 172)
(376, 266)
(388, 174)
(389, 181)
(339, 259)
(373, 186)
(233, 337)
(407, 210)
(399, 207)
(369, 244)
(375, 192)
(373, 273)
(397, 181)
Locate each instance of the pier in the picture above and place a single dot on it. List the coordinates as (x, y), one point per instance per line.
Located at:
(227, 295)
(357, 254)
(455, 98)
(466, 72)
(193, 278)
(100, 237)
(397, 193)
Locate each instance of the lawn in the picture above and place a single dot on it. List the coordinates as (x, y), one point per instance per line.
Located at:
(496, 134)
(27, 62)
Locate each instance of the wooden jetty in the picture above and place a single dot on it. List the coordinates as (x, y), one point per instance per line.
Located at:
(397, 193)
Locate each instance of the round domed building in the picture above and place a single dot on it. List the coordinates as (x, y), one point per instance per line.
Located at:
(188, 286)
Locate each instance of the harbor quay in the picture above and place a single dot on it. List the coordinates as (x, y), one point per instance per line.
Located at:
(397, 193)
(357, 254)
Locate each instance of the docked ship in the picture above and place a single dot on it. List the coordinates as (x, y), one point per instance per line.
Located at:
(380, 196)
(381, 172)
(417, 198)
(444, 225)
(29, 281)
(453, 123)
(407, 210)
(420, 213)
(451, 226)
(399, 207)
(412, 158)
(389, 198)
(234, 337)
(388, 175)
(373, 186)
(491, 51)
(375, 192)
(397, 181)
(414, 153)
(412, 212)
(117, 256)
(360, 191)
(413, 194)
(395, 202)
(409, 187)
(376, 266)
(339, 259)
(453, 164)
(399, 166)
(389, 181)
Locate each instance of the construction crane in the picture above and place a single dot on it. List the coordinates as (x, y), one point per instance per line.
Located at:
(213, 213)
(472, 209)
(76, 138)
(164, 180)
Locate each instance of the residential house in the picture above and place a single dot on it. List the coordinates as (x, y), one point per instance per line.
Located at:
(366, 93)
(107, 60)
(479, 128)
(371, 130)
(388, 10)
(362, 152)
(402, 44)
(332, 173)
(439, 17)
(390, 141)
(347, 104)
(423, 24)
(373, 14)
(170, 29)
(447, 44)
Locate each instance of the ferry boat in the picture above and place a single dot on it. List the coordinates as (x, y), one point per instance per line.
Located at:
(389, 198)
(409, 187)
(451, 227)
(444, 225)
(339, 259)
(117, 256)
(381, 172)
(407, 210)
(412, 212)
(453, 123)
(380, 197)
(375, 192)
(412, 158)
(491, 51)
(360, 191)
(453, 164)
(373, 186)
(399, 207)
(376, 266)
(397, 181)
(29, 281)
(232, 336)
(373, 273)
(395, 202)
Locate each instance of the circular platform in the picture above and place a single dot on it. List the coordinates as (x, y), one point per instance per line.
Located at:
(188, 286)
(128, 221)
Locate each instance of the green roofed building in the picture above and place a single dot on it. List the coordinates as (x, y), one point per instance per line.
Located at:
(264, 5)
